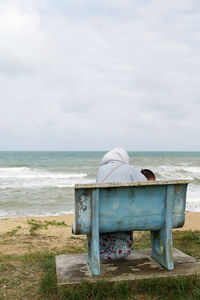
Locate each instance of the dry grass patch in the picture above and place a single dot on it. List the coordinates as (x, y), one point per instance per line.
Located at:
(27, 266)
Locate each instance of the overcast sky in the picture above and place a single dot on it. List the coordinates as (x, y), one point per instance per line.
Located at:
(93, 75)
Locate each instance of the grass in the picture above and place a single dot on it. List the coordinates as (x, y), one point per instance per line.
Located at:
(167, 288)
(188, 241)
(32, 276)
(142, 240)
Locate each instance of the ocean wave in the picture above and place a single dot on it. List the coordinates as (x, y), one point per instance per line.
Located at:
(24, 172)
(192, 203)
(179, 168)
(48, 190)
(50, 213)
(195, 170)
(196, 180)
(24, 177)
(41, 184)
(12, 214)
(176, 172)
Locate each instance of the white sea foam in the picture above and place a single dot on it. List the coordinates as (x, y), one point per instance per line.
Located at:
(23, 172)
(193, 203)
(11, 214)
(50, 213)
(8, 214)
(194, 170)
(23, 177)
(177, 172)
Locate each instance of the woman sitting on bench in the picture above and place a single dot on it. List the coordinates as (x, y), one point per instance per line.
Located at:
(115, 167)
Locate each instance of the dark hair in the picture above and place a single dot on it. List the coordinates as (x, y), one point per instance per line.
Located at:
(148, 174)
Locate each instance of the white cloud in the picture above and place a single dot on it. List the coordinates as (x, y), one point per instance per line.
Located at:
(85, 75)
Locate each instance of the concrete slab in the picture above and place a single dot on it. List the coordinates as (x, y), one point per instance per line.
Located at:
(73, 268)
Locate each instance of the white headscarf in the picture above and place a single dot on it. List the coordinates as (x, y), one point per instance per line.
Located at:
(118, 154)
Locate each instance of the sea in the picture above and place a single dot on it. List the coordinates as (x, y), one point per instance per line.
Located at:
(41, 183)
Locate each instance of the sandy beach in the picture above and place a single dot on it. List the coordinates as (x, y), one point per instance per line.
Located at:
(192, 222)
(16, 236)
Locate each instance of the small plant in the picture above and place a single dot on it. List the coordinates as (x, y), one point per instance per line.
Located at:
(12, 232)
(36, 224)
(77, 238)
(54, 223)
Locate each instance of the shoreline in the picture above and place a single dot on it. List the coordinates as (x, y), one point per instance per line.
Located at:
(192, 222)
(19, 236)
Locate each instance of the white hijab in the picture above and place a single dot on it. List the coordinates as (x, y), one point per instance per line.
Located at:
(116, 155)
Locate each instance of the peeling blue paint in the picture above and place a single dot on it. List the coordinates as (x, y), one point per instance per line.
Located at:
(110, 208)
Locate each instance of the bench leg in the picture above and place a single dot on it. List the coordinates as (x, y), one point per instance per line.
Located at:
(93, 236)
(165, 257)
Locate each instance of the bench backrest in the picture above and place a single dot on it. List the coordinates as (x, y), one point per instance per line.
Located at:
(130, 206)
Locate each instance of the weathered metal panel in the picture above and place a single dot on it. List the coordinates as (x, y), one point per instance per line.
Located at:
(179, 203)
(129, 208)
(83, 200)
(93, 236)
(164, 235)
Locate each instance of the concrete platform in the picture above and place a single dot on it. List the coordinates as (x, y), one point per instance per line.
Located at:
(73, 268)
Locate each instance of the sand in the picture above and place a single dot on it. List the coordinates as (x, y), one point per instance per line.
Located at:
(54, 238)
(192, 221)
(11, 223)
(16, 238)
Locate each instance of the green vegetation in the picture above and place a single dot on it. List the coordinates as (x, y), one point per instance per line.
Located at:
(35, 225)
(188, 242)
(32, 276)
(141, 240)
(167, 288)
(11, 233)
(72, 237)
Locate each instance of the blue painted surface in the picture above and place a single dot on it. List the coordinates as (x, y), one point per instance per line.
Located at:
(129, 208)
(164, 235)
(156, 207)
(93, 236)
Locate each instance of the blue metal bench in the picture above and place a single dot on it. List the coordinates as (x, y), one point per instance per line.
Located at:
(157, 206)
